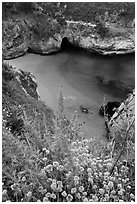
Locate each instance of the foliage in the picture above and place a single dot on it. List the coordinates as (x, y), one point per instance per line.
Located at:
(102, 30)
(62, 167)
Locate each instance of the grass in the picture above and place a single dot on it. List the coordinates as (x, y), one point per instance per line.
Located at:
(62, 166)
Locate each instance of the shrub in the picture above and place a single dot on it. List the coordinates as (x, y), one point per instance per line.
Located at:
(64, 169)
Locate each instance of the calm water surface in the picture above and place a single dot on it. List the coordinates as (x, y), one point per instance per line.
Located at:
(78, 72)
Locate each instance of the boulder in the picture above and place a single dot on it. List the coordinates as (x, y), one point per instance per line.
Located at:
(109, 109)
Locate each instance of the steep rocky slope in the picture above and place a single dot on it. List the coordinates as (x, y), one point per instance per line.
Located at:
(42, 29)
(122, 123)
(20, 99)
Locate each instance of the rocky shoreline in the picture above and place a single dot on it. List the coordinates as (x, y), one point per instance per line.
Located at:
(21, 39)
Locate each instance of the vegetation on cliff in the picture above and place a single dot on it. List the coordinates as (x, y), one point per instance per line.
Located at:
(47, 158)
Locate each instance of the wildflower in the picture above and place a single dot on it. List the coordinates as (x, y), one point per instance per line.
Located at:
(84, 193)
(101, 191)
(106, 173)
(49, 180)
(64, 194)
(90, 175)
(100, 166)
(49, 168)
(128, 187)
(120, 192)
(55, 164)
(44, 149)
(127, 179)
(45, 159)
(76, 182)
(4, 192)
(95, 174)
(29, 194)
(113, 192)
(47, 151)
(106, 187)
(40, 188)
(81, 188)
(106, 197)
(104, 182)
(76, 164)
(90, 180)
(81, 169)
(13, 187)
(53, 196)
(43, 173)
(132, 196)
(95, 198)
(100, 161)
(60, 184)
(78, 195)
(115, 174)
(112, 178)
(106, 178)
(54, 181)
(45, 199)
(76, 178)
(73, 190)
(109, 165)
(69, 197)
(53, 186)
(68, 174)
(119, 185)
(60, 168)
(44, 191)
(95, 187)
(110, 184)
(100, 174)
(85, 200)
(48, 195)
(84, 163)
(89, 170)
(23, 178)
(123, 180)
(59, 189)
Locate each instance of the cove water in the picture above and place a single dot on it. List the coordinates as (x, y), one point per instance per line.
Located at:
(81, 76)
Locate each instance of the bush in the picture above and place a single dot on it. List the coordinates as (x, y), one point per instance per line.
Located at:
(102, 30)
(62, 167)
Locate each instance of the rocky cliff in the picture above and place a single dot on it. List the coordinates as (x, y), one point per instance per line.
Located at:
(108, 32)
(19, 96)
(122, 124)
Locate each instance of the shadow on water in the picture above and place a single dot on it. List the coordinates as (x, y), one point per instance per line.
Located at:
(113, 75)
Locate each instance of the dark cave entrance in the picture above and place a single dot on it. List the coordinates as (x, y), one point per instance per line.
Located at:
(66, 45)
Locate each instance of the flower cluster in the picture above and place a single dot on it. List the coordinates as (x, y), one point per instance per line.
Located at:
(91, 180)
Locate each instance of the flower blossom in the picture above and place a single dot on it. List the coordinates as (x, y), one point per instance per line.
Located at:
(73, 190)
(69, 197)
(81, 188)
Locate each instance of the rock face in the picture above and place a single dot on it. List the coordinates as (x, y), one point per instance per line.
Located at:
(25, 80)
(19, 96)
(108, 109)
(122, 123)
(45, 35)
